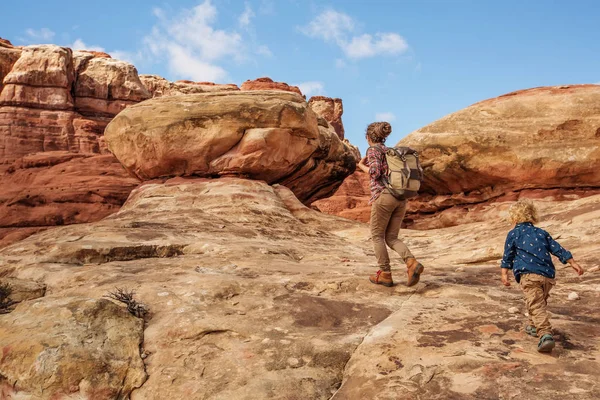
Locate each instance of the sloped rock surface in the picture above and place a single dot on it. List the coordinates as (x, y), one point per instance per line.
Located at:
(70, 346)
(253, 295)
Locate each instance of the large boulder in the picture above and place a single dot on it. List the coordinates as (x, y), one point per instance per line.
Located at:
(330, 109)
(266, 135)
(268, 84)
(74, 346)
(159, 86)
(538, 138)
(536, 143)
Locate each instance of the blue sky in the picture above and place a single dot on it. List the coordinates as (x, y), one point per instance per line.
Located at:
(410, 62)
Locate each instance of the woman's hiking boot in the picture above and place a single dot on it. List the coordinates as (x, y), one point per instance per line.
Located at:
(415, 269)
(382, 278)
(546, 344)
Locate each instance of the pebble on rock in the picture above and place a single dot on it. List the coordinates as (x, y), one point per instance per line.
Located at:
(573, 296)
(513, 310)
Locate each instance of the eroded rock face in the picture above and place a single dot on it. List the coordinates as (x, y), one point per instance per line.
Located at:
(42, 77)
(253, 295)
(269, 84)
(8, 57)
(106, 86)
(331, 110)
(73, 346)
(264, 135)
(159, 87)
(52, 165)
(351, 200)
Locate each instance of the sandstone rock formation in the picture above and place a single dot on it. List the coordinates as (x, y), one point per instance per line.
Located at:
(159, 87)
(536, 143)
(537, 139)
(253, 295)
(53, 109)
(331, 110)
(264, 135)
(268, 84)
(351, 200)
(56, 103)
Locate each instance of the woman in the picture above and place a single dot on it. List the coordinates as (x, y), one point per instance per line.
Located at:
(387, 212)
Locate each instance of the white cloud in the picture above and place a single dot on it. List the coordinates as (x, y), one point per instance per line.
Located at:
(264, 51)
(43, 34)
(385, 116)
(80, 45)
(331, 26)
(311, 88)
(384, 43)
(127, 56)
(247, 15)
(267, 7)
(339, 28)
(192, 46)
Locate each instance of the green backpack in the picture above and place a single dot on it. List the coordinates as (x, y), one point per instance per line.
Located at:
(405, 172)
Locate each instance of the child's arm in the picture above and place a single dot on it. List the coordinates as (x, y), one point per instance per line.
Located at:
(563, 255)
(575, 266)
(508, 258)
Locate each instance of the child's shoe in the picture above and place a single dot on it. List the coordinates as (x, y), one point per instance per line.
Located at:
(546, 344)
(382, 278)
(531, 330)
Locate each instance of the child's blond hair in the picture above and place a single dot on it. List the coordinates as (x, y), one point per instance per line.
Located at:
(523, 211)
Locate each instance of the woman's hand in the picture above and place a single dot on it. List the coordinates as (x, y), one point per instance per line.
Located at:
(363, 164)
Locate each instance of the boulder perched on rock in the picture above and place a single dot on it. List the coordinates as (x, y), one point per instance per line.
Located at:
(331, 110)
(269, 84)
(267, 135)
(159, 87)
(74, 346)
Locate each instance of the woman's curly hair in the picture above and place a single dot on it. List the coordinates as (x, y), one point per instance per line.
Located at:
(378, 131)
(523, 211)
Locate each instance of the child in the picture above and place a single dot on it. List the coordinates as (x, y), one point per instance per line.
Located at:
(527, 252)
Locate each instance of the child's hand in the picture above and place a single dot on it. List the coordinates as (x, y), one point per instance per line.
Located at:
(576, 267)
(505, 280)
